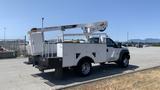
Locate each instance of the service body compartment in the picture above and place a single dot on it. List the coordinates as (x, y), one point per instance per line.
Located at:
(73, 52)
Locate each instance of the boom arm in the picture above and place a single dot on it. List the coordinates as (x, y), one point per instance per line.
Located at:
(87, 28)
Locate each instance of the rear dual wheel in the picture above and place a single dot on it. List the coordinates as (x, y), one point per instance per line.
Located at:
(84, 68)
(103, 63)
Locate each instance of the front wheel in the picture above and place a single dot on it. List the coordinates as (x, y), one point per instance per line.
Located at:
(84, 68)
(124, 62)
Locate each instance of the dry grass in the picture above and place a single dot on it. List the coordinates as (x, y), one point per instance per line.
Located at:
(142, 80)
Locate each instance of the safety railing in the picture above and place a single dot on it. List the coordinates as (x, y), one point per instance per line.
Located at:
(49, 49)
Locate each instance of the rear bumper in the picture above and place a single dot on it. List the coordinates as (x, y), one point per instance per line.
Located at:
(47, 63)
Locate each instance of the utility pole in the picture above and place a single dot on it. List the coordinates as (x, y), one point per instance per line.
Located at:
(42, 33)
(42, 21)
(4, 35)
(127, 36)
(25, 44)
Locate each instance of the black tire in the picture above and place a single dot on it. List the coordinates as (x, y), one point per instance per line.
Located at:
(30, 60)
(84, 68)
(124, 61)
(102, 64)
(66, 69)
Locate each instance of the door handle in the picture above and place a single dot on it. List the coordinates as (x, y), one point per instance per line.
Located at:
(107, 49)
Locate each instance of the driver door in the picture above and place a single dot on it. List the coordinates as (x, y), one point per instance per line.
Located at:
(111, 50)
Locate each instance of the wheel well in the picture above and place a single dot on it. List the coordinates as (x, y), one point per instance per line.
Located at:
(126, 54)
(86, 58)
(122, 54)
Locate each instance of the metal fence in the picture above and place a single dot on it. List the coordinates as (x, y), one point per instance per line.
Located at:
(18, 45)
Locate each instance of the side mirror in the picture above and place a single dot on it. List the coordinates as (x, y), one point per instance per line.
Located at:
(119, 45)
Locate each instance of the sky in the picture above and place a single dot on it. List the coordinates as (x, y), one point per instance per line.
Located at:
(140, 18)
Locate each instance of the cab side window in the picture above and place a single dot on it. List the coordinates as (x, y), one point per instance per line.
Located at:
(94, 40)
(110, 43)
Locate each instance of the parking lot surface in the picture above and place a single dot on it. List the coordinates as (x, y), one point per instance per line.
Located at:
(16, 75)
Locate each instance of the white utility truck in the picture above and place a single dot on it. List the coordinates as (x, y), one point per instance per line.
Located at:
(95, 47)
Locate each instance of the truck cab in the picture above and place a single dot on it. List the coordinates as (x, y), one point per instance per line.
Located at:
(114, 51)
(117, 53)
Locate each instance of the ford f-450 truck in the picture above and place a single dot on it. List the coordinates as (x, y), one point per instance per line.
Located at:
(93, 47)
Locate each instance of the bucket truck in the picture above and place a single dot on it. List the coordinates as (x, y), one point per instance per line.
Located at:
(95, 47)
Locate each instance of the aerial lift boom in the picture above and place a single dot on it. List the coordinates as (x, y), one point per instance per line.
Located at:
(88, 29)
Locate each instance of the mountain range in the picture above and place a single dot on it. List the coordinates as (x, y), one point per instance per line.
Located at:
(147, 40)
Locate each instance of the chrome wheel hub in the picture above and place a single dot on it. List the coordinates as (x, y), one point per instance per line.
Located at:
(86, 68)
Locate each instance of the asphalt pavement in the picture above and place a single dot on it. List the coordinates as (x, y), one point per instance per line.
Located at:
(16, 75)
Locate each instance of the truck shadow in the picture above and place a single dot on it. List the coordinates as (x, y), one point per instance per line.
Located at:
(70, 76)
